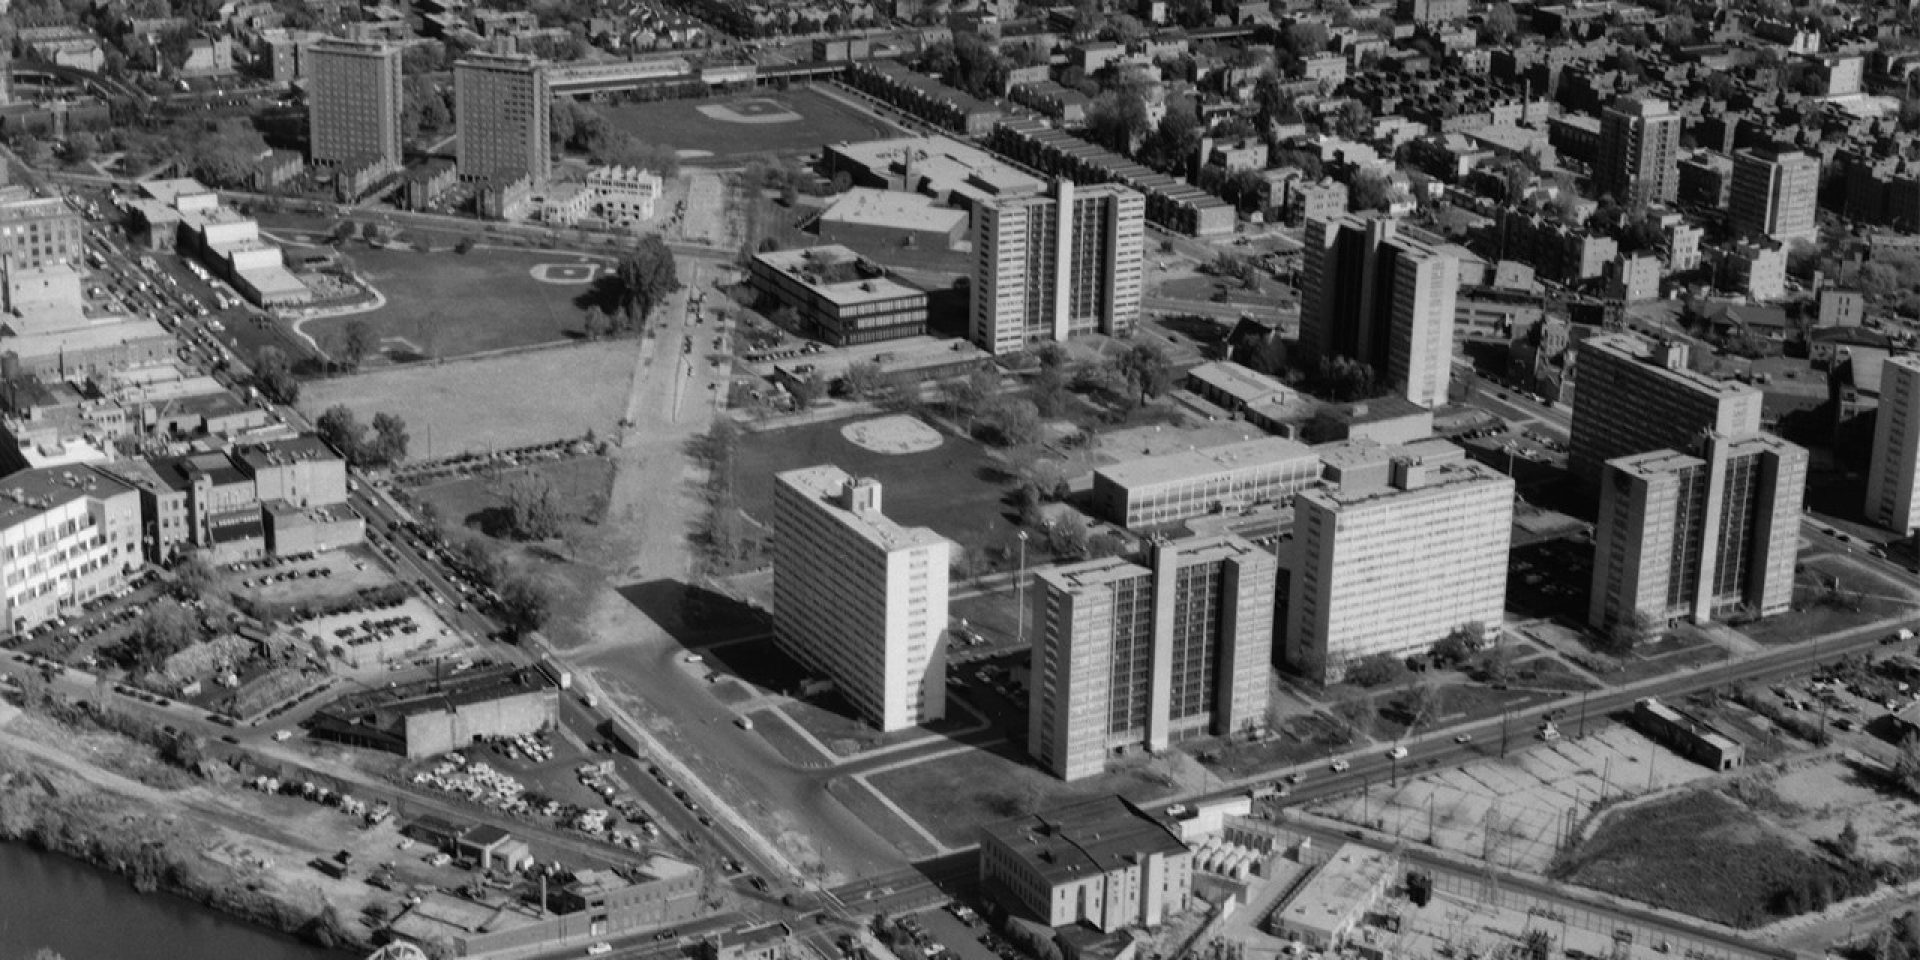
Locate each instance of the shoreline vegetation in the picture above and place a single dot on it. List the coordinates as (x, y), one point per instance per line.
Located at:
(157, 845)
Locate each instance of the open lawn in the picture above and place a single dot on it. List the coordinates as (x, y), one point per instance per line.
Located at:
(1707, 855)
(492, 402)
(953, 795)
(956, 488)
(1668, 655)
(682, 125)
(449, 305)
(479, 501)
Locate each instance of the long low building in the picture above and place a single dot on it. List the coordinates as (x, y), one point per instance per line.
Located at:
(432, 717)
(1174, 204)
(841, 298)
(1688, 735)
(1336, 898)
(1175, 486)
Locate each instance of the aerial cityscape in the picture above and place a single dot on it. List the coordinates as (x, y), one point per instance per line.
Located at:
(959, 480)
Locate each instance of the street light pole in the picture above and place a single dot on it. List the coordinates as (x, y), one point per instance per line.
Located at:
(1020, 592)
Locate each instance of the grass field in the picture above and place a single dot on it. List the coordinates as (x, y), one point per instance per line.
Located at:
(680, 124)
(955, 488)
(581, 483)
(446, 304)
(952, 796)
(1704, 854)
(493, 402)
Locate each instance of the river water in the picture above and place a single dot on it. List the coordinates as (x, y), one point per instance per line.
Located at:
(83, 913)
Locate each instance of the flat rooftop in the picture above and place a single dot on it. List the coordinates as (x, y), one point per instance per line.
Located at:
(827, 484)
(446, 694)
(1433, 478)
(29, 493)
(1248, 454)
(96, 336)
(1084, 839)
(1351, 877)
(170, 191)
(893, 208)
(281, 453)
(1636, 347)
(1239, 382)
(943, 164)
(818, 269)
(1107, 570)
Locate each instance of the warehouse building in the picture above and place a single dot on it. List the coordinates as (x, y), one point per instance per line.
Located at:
(432, 717)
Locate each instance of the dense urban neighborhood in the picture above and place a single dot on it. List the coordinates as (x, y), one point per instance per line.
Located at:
(838, 480)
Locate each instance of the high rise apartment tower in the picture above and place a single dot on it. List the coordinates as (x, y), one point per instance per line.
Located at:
(1639, 155)
(353, 103)
(1685, 536)
(1774, 195)
(502, 105)
(1404, 547)
(1384, 296)
(1047, 268)
(1130, 653)
(1893, 477)
(1635, 395)
(859, 598)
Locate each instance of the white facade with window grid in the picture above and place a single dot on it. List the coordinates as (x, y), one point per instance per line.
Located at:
(1391, 565)
(860, 598)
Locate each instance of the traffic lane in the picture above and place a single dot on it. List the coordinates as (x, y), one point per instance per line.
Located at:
(1316, 782)
(669, 814)
(762, 785)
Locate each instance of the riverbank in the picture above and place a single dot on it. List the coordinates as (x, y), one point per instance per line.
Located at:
(57, 903)
(96, 798)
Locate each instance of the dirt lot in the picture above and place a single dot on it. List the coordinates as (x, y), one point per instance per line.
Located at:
(1514, 809)
(492, 402)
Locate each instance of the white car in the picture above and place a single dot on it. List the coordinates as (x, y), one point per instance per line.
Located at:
(1340, 766)
(1463, 738)
(600, 948)
(695, 658)
(1397, 753)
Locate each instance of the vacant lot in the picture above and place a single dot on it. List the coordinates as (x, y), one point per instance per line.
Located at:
(680, 124)
(479, 501)
(492, 402)
(957, 488)
(449, 305)
(1713, 856)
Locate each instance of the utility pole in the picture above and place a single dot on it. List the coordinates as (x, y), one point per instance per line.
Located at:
(1503, 732)
(1020, 591)
(1583, 713)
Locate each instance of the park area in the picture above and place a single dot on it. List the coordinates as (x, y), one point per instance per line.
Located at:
(491, 403)
(479, 500)
(442, 305)
(794, 121)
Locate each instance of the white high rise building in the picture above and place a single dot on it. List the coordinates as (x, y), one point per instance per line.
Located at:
(1404, 546)
(860, 598)
(1895, 471)
(1054, 267)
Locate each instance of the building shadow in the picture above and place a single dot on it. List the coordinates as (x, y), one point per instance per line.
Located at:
(694, 615)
